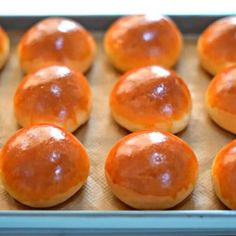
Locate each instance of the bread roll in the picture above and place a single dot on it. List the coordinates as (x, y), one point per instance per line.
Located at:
(56, 41)
(151, 170)
(43, 165)
(151, 97)
(4, 47)
(54, 94)
(134, 41)
(224, 174)
(217, 45)
(221, 97)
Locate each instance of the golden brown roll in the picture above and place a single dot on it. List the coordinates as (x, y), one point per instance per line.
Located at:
(43, 165)
(134, 41)
(56, 41)
(54, 94)
(151, 97)
(224, 174)
(217, 45)
(221, 97)
(4, 47)
(151, 170)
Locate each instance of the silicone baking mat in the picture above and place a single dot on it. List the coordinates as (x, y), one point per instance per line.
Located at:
(101, 132)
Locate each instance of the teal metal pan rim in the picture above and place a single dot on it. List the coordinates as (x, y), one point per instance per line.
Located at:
(126, 220)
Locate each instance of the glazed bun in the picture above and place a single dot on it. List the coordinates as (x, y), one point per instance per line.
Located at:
(221, 97)
(4, 47)
(134, 41)
(56, 41)
(151, 97)
(151, 170)
(217, 45)
(43, 166)
(54, 94)
(224, 174)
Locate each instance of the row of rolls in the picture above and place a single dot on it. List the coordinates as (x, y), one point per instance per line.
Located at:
(43, 164)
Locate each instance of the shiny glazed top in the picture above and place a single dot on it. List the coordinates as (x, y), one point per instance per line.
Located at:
(143, 40)
(40, 162)
(3, 37)
(149, 95)
(53, 94)
(56, 41)
(152, 163)
(218, 42)
(221, 92)
(224, 170)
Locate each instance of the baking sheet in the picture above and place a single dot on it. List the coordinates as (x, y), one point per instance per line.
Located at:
(101, 132)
